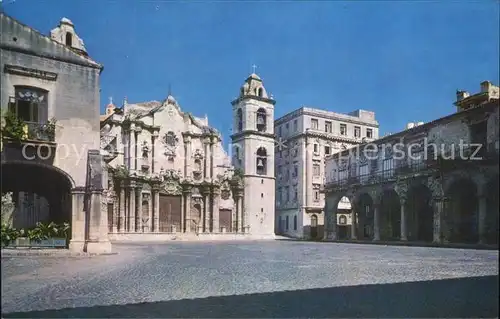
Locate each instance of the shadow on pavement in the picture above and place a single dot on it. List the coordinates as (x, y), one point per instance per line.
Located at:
(458, 298)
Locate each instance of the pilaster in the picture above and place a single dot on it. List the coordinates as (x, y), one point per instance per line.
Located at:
(77, 241)
(132, 207)
(376, 221)
(206, 208)
(187, 209)
(121, 217)
(156, 209)
(138, 209)
(215, 210)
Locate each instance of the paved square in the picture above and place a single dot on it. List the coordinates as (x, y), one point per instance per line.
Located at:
(254, 279)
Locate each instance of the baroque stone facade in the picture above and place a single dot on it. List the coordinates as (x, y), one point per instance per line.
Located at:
(307, 136)
(168, 174)
(436, 182)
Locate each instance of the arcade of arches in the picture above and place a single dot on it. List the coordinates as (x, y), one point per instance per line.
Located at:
(464, 209)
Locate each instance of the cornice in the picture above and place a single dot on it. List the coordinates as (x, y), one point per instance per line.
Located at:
(332, 116)
(253, 97)
(251, 132)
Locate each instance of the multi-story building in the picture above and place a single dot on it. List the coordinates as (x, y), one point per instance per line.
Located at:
(50, 129)
(306, 137)
(434, 182)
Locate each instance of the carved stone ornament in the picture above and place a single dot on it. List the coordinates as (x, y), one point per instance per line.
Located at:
(401, 189)
(170, 141)
(172, 188)
(198, 154)
(225, 194)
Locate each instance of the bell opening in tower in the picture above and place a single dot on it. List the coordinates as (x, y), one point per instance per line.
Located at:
(261, 161)
(261, 120)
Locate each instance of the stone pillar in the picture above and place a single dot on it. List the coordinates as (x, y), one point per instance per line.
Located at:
(354, 223)
(239, 211)
(154, 138)
(331, 205)
(132, 147)
(189, 221)
(98, 241)
(183, 215)
(438, 203)
(213, 147)
(121, 218)
(206, 212)
(116, 213)
(376, 221)
(150, 212)
(156, 210)
(404, 234)
(215, 210)
(207, 159)
(187, 151)
(482, 220)
(77, 241)
(131, 208)
(138, 205)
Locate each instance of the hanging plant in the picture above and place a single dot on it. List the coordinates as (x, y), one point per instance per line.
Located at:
(13, 127)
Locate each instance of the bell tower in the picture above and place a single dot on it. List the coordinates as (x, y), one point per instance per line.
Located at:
(253, 155)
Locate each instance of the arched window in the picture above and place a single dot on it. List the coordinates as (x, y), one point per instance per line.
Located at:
(239, 116)
(261, 120)
(314, 221)
(261, 92)
(295, 222)
(261, 161)
(69, 39)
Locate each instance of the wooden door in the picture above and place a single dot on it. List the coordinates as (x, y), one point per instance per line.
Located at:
(170, 213)
(225, 219)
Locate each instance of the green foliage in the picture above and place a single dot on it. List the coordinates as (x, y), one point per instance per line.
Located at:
(45, 231)
(14, 128)
(7, 209)
(9, 234)
(49, 129)
(119, 172)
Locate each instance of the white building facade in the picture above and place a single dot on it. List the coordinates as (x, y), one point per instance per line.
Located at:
(306, 137)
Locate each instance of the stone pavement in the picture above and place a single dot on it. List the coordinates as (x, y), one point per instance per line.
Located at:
(254, 279)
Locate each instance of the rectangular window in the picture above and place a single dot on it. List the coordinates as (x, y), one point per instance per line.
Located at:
(363, 172)
(295, 126)
(343, 129)
(295, 170)
(286, 127)
(279, 194)
(357, 131)
(316, 196)
(314, 124)
(315, 146)
(328, 127)
(343, 174)
(369, 133)
(316, 170)
(327, 150)
(25, 110)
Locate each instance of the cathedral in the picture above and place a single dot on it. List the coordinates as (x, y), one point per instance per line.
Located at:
(168, 176)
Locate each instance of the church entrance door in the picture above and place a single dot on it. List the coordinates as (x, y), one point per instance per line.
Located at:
(225, 219)
(170, 213)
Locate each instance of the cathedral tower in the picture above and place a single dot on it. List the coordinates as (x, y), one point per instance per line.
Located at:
(253, 154)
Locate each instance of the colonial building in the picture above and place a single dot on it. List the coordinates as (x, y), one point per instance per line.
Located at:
(50, 130)
(306, 136)
(170, 175)
(435, 182)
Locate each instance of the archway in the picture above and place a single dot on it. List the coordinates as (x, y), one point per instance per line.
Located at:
(390, 216)
(40, 193)
(419, 214)
(462, 211)
(365, 216)
(344, 218)
(492, 211)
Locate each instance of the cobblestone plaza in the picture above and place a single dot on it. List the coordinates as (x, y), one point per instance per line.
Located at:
(281, 278)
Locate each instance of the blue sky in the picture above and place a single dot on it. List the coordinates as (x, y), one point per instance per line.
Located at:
(402, 59)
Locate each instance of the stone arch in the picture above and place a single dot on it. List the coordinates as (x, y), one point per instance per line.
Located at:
(261, 120)
(390, 215)
(364, 209)
(46, 192)
(331, 205)
(461, 212)
(419, 213)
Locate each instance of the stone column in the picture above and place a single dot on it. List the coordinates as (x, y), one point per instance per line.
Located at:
(150, 212)
(404, 235)
(131, 207)
(331, 205)
(215, 210)
(156, 210)
(438, 203)
(132, 147)
(207, 159)
(206, 212)
(183, 215)
(154, 139)
(213, 146)
(121, 218)
(116, 212)
(239, 212)
(354, 224)
(376, 221)
(482, 220)
(138, 205)
(187, 225)
(77, 241)
(187, 151)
